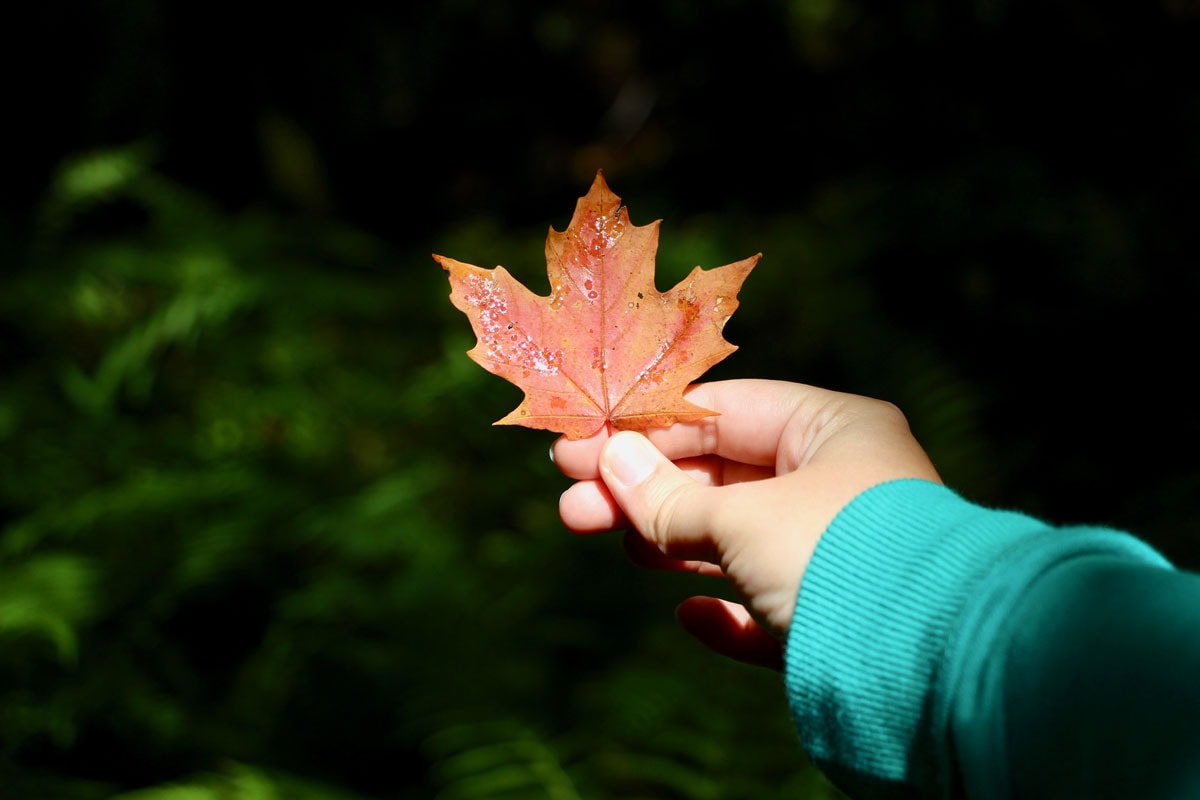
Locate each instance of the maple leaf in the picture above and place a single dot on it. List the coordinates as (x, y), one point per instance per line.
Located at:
(605, 347)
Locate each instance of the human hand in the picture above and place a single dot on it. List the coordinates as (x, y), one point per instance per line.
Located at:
(748, 496)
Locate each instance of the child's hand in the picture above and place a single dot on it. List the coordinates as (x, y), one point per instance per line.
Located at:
(748, 496)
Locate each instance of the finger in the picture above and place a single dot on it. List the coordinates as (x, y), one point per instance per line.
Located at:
(674, 512)
(578, 459)
(751, 416)
(715, 471)
(727, 628)
(588, 507)
(644, 554)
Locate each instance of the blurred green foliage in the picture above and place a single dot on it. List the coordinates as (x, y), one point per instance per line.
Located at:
(257, 536)
(262, 539)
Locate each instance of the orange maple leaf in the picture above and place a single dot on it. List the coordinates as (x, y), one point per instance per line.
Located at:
(605, 347)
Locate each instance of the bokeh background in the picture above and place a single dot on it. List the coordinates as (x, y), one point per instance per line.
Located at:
(258, 538)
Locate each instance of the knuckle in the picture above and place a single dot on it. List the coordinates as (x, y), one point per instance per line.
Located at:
(668, 509)
(891, 414)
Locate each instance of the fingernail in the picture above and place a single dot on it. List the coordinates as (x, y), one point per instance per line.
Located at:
(630, 458)
(552, 454)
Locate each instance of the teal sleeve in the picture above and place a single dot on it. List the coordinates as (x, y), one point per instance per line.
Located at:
(1097, 685)
(942, 649)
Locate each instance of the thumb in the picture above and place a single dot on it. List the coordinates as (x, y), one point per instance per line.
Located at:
(667, 508)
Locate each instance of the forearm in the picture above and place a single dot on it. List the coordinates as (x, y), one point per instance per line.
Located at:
(892, 665)
(1101, 693)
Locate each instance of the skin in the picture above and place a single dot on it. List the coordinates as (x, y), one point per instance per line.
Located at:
(745, 495)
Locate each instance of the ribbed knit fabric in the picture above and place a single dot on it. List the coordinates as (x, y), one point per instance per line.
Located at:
(902, 597)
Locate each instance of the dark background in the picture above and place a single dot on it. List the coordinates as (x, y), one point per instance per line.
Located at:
(259, 538)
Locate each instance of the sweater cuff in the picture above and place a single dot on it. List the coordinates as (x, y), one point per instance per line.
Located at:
(876, 614)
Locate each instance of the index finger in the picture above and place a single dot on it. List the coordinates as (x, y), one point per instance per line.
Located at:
(752, 416)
